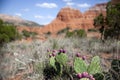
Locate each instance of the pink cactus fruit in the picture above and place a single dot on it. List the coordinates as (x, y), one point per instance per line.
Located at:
(84, 57)
(61, 50)
(85, 74)
(53, 54)
(90, 77)
(79, 75)
(50, 55)
(78, 55)
(64, 51)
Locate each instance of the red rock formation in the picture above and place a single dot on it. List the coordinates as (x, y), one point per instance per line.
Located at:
(67, 13)
(54, 26)
(73, 18)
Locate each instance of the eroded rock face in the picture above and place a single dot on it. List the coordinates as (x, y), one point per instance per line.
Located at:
(67, 13)
(54, 26)
(74, 19)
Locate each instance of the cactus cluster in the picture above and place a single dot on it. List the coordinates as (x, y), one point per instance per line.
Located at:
(58, 59)
(86, 71)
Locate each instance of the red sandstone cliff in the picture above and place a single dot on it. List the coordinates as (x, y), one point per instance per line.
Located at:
(69, 17)
(74, 19)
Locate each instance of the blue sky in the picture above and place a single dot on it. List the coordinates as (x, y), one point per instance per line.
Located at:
(42, 11)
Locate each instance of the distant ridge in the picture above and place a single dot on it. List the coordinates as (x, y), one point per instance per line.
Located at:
(18, 21)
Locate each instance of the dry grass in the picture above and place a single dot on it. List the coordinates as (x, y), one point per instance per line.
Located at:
(29, 58)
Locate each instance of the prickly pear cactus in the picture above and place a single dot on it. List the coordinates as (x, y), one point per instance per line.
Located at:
(80, 65)
(52, 62)
(94, 67)
(59, 68)
(61, 58)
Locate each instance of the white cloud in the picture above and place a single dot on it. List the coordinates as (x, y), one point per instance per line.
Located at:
(26, 9)
(18, 14)
(67, 0)
(70, 3)
(47, 5)
(84, 5)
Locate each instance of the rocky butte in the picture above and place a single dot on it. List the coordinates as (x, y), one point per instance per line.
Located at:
(74, 19)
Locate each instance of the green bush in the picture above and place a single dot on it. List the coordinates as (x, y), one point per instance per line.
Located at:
(7, 32)
(4, 38)
(81, 33)
(69, 34)
(28, 34)
(109, 25)
(63, 30)
(76, 33)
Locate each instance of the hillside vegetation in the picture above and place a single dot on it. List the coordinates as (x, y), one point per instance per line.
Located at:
(8, 32)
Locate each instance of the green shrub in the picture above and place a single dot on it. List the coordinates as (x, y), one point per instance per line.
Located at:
(63, 30)
(76, 33)
(7, 32)
(4, 38)
(33, 34)
(81, 33)
(109, 25)
(69, 34)
(28, 33)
